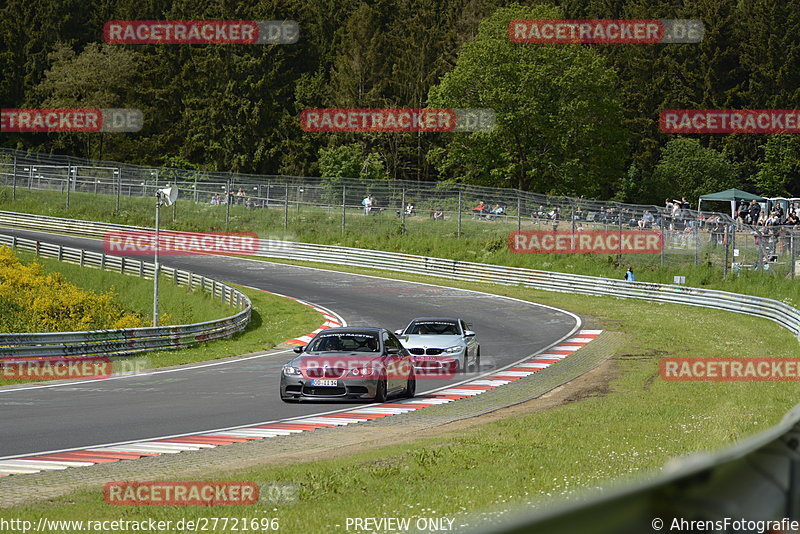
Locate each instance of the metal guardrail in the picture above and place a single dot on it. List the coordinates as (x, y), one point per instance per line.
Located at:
(125, 340)
(758, 479)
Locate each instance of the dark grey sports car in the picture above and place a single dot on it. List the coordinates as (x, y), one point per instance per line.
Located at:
(349, 363)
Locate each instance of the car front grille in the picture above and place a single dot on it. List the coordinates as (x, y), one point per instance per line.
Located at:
(429, 352)
(327, 391)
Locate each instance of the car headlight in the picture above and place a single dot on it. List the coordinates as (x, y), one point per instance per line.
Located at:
(453, 350)
(289, 370)
(366, 371)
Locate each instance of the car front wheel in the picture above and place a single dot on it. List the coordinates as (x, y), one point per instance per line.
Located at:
(411, 386)
(380, 390)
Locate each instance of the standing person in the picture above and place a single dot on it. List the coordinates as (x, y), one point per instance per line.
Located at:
(367, 203)
(556, 218)
(629, 276)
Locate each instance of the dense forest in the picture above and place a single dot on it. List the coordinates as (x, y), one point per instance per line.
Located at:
(575, 119)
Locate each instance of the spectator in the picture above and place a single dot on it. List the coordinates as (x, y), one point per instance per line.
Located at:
(556, 217)
(367, 203)
(481, 209)
(216, 200)
(647, 220)
(754, 212)
(410, 209)
(240, 196)
(438, 214)
(629, 276)
(497, 210)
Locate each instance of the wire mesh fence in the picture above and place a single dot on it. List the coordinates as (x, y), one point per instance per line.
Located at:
(218, 201)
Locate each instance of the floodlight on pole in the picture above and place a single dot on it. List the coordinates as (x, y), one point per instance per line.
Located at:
(166, 196)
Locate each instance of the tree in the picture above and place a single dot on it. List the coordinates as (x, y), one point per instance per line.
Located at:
(101, 76)
(558, 122)
(349, 161)
(688, 169)
(779, 173)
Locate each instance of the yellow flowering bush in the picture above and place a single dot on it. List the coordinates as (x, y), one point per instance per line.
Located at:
(34, 301)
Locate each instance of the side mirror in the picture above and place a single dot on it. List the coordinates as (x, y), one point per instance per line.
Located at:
(398, 332)
(392, 350)
(298, 350)
(469, 333)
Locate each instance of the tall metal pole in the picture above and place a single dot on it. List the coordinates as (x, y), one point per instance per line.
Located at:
(663, 238)
(519, 213)
(696, 232)
(156, 267)
(344, 206)
(458, 233)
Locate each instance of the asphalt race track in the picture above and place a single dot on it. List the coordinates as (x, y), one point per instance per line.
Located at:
(205, 397)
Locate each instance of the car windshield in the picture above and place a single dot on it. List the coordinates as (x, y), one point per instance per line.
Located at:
(433, 328)
(344, 342)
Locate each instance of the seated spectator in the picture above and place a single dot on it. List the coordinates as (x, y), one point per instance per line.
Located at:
(410, 210)
(497, 210)
(792, 220)
(481, 209)
(647, 220)
(438, 214)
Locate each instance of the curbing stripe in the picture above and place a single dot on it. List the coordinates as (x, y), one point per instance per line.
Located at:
(174, 445)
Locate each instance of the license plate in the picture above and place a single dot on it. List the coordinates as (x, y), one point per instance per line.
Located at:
(332, 383)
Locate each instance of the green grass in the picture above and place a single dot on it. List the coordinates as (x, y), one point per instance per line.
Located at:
(630, 427)
(176, 304)
(481, 241)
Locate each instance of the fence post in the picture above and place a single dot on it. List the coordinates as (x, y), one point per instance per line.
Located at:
(727, 249)
(228, 198)
(344, 205)
(69, 176)
(663, 237)
(459, 214)
(14, 187)
(119, 185)
(793, 255)
(286, 207)
(403, 212)
(619, 254)
(519, 212)
(696, 232)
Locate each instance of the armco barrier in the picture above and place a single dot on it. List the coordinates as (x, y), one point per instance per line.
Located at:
(126, 340)
(758, 479)
(779, 312)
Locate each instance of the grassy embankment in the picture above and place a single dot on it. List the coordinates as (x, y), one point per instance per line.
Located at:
(274, 319)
